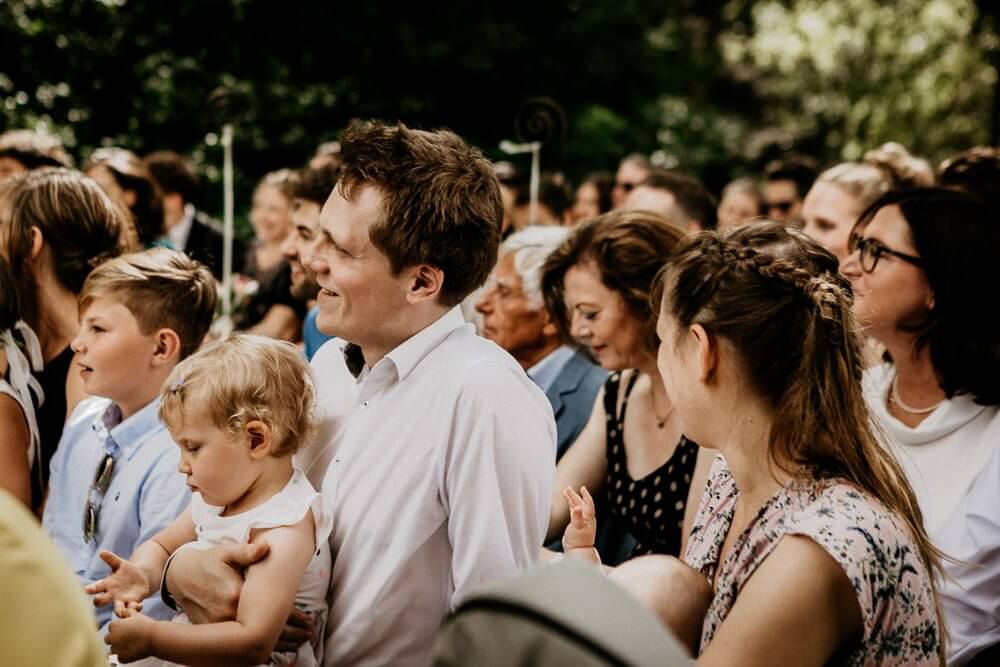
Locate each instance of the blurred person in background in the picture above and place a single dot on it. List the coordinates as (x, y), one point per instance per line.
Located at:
(327, 155)
(786, 183)
(24, 150)
(679, 198)
(128, 181)
(976, 170)
(741, 201)
(593, 197)
(632, 170)
(271, 308)
(843, 192)
(554, 204)
(189, 230)
(309, 193)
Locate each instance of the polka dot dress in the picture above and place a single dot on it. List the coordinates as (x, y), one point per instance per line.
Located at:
(651, 507)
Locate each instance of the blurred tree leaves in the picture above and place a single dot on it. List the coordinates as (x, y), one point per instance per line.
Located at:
(714, 86)
(837, 78)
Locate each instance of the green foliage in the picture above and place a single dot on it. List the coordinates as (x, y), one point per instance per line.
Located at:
(708, 86)
(841, 77)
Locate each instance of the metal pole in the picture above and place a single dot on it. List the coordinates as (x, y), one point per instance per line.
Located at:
(227, 221)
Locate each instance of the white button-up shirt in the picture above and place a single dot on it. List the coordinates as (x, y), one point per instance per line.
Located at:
(437, 465)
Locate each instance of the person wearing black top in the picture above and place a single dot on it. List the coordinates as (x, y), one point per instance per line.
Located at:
(632, 453)
(57, 226)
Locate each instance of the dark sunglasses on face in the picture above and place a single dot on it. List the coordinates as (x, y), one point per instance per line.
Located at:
(781, 206)
(870, 250)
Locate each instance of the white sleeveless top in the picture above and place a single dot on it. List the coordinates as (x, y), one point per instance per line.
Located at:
(286, 508)
(21, 383)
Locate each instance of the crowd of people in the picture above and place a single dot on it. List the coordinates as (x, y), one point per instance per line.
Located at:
(771, 419)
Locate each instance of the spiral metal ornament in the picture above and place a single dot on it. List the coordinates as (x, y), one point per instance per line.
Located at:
(541, 119)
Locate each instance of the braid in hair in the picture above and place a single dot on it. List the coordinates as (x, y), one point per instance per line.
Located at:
(778, 298)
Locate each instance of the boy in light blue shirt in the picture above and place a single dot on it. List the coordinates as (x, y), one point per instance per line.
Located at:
(114, 481)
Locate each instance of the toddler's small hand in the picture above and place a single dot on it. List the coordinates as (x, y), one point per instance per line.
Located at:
(125, 586)
(130, 637)
(582, 528)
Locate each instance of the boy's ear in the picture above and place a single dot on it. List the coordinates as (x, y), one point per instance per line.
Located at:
(260, 438)
(168, 347)
(426, 282)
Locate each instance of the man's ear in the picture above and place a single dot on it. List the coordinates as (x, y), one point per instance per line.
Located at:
(168, 348)
(549, 328)
(426, 282)
(930, 300)
(260, 438)
(707, 352)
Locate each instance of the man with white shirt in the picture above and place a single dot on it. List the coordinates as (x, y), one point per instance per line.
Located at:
(436, 451)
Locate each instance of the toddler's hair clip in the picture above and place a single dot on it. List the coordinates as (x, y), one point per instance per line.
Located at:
(176, 385)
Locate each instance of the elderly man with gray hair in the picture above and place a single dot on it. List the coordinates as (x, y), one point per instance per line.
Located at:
(515, 318)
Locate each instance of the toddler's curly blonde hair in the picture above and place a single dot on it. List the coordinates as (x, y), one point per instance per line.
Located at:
(242, 378)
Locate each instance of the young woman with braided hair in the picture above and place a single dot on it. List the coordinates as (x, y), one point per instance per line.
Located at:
(808, 531)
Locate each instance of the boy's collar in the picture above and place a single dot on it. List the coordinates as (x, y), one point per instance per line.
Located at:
(129, 434)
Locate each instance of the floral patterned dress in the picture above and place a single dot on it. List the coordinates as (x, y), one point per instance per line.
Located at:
(867, 541)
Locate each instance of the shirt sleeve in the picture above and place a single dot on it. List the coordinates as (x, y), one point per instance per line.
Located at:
(497, 478)
(969, 594)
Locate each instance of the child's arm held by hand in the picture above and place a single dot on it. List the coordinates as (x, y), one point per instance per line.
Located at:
(267, 597)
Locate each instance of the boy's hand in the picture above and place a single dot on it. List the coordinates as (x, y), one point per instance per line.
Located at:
(126, 586)
(131, 637)
(582, 528)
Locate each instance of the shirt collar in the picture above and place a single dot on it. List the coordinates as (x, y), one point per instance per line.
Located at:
(409, 353)
(179, 233)
(545, 372)
(129, 434)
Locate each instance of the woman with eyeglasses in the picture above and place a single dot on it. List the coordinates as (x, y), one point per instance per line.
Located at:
(920, 262)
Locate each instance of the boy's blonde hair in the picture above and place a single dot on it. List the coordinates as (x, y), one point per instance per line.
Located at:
(163, 289)
(242, 378)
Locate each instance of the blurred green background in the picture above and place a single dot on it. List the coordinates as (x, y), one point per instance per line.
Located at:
(715, 87)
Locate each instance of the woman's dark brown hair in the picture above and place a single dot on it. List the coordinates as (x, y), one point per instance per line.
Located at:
(80, 225)
(777, 297)
(628, 248)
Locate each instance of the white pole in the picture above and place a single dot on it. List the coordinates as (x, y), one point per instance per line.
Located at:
(535, 148)
(535, 178)
(227, 221)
